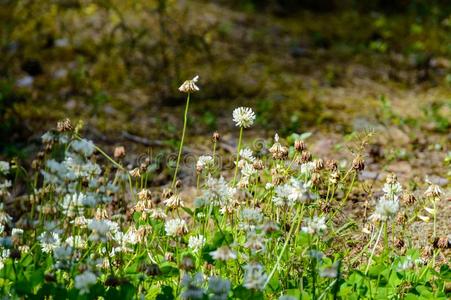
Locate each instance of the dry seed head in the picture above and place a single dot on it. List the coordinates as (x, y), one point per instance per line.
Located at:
(332, 165)
(358, 164)
(399, 243)
(258, 164)
(135, 173)
(277, 150)
(401, 219)
(167, 193)
(189, 86)
(441, 243)
(119, 152)
(408, 199)
(319, 164)
(299, 145)
(316, 178)
(64, 125)
(392, 179)
(145, 194)
(306, 156)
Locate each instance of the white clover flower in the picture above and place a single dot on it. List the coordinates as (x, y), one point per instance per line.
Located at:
(4, 254)
(16, 232)
(292, 192)
(223, 253)
(175, 227)
(102, 229)
(77, 241)
(63, 252)
(47, 137)
(281, 196)
(255, 242)
(49, 241)
(218, 192)
(204, 162)
(316, 225)
(385, 209)
(307, 168)
(247, 154)
(298, 190)
(4, 167)
(254, 276)
(189, 86)
(83, 147)
(84, 281)
(243, 117)
(196, 242)
(392, 189)
(248, 170)
(250, 218)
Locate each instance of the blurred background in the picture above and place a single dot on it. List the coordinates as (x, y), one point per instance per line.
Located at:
(329, 67)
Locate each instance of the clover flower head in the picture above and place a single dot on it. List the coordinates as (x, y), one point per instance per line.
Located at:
(84, 281)
(386, 209)
(254, 276)
(316, 225)
(243, 117)
(196, 242)
(175, 227)
(223, 253)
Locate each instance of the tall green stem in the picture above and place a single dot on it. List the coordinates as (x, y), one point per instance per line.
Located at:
(238, 154)
(185, 119)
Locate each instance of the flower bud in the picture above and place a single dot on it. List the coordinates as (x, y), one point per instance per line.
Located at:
(216, 136)
(119, 152)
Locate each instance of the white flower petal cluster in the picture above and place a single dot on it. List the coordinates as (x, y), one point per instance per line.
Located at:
(4, 255)
(386, 209)
(250, 219)
(49, 241)
(243, 117)
(218, 192)
(223, 253)
(388, 205)
(255, 242)
(247, 155)
(292, 192)
(196, 242)
(84, 281)
(205, 162)
(175, 227)
(254, 276)
(4, 167)
(83, 147)
(102, 230)
(316, 225)
(75, 167)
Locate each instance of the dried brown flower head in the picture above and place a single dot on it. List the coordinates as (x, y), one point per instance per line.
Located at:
(64, 125)
(299, 145)
(358, 164)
